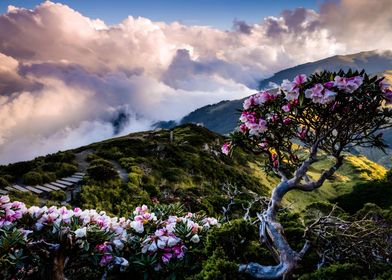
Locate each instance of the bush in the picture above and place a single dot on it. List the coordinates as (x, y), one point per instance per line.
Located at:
(3, 182)
(32, 178)
(337, 272)
(102, 170)
(48, 177)
(58, 195)
(66, 169)
(219, 267)
(134, 178)
(26, 197)
(152, 243)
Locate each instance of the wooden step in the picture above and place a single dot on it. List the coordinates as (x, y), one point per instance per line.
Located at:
(10, 188)
(42, 188)
(72, 180)
(59, 185)
(19, 188)
(3, 192)
(34, 190)
(52, 187)
(65, 182)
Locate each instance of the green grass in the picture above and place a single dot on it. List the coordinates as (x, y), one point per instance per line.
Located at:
(191, 170)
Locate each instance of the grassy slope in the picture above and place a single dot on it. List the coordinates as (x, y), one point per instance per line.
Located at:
(192, 170)
(356, 169)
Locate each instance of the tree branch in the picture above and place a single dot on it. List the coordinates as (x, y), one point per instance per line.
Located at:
(324, 176)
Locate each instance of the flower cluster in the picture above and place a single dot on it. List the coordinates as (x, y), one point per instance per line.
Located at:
(292, 89)
(10, 211)
(142, 217)
(270, 120)
(114, 241)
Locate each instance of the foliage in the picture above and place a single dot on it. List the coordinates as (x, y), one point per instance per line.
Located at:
(32, 178)
(163, 241)
(378, 192)
(335, 110)
(101, 170)
(58, 195)
(4, 182)
(327, 113)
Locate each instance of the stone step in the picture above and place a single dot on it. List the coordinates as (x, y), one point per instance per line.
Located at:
(65, 182)
(3, 192)
(19, 188)
(34, 190)
(59, 185)
(72, 180)
(52, 187)
(10, 188)
(42, 188)
(80, 173)
(77, 176)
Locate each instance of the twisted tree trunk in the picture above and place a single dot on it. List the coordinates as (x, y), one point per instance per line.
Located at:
(271, 231)
(58, 265)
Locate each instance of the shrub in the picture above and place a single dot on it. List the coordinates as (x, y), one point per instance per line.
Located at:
(32, 178)
(156, 243)
(66, 169)
(58, 195)
(102, 170)
(48, 177)
(336, 272)
(3, 182)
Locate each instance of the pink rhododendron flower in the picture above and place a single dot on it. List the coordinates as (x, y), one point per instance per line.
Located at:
(257, 128)
(226, 148)
(243, 128)
(106, 259)
(166, 257)
(300, 79)
(291, 89)
(329, 84)
(249, 102)
(287, 121)
(328, 97)
(262, 97)
(248, 117)
(320, 95)
(286, 108)
(348, 84)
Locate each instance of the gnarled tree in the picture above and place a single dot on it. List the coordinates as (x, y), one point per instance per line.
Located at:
(327, 113)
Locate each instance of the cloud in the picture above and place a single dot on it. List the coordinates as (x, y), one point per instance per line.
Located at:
(67, 80)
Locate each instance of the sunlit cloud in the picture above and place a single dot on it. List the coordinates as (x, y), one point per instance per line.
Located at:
(67, 80)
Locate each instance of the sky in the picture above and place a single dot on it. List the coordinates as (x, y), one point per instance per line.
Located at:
(77, 72)
(216, 13)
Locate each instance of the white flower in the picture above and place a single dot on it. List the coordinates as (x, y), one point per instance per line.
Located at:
(153, 247)
(161, 243)
(195, 239)
(171, 241)
(38, 226)
(81, 232)
(119, 244)
(137, 226)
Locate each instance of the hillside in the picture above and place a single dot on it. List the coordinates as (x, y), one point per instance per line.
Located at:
(189, 169)
(373, 62)
(222, 117)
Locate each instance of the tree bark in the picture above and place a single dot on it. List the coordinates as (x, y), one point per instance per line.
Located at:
(58, 266)
(271, 231)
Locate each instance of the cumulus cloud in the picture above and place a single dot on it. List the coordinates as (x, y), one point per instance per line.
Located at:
(67, 80)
